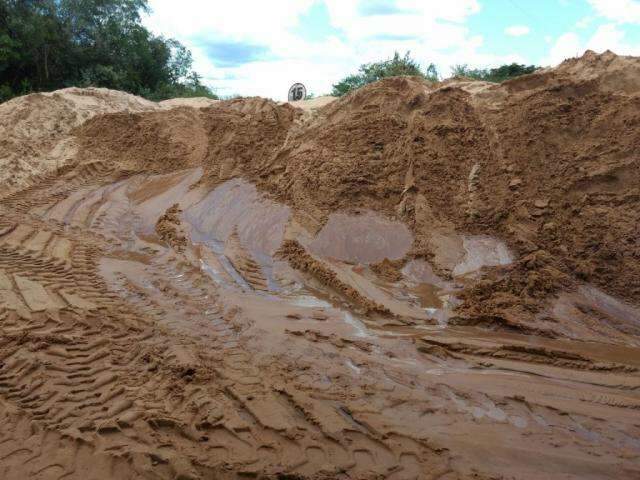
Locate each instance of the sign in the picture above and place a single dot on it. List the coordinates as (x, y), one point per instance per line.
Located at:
(297, 92)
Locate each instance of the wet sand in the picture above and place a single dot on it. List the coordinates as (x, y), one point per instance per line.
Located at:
(225, 361)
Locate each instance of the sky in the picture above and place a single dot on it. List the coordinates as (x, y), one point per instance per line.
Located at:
(262, 47)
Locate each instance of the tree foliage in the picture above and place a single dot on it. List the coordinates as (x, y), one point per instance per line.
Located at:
(50, 44)
(393, 67)
(498, 74)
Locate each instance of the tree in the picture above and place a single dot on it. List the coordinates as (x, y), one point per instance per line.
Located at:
(50, 44)
(393, 67)
(498, 74)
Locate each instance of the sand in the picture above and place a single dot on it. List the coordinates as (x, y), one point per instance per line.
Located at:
(35, 130)
(413, 281)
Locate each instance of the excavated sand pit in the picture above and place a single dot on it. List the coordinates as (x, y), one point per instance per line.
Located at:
(415, 281)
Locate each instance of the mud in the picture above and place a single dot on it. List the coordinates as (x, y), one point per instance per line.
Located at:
(415, 281)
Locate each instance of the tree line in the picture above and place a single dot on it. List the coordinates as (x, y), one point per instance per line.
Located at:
(51, 44)
(407, 66)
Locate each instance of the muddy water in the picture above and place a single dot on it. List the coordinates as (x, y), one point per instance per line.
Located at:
(364, 238)
(236, 204)
(611, 306)
(482, 251)
(589, 313)
(419, 271)
(154, 194)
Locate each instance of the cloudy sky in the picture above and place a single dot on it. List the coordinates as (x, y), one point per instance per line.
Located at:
(261, 47)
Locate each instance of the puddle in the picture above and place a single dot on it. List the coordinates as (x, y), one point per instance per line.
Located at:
(365, 238)
(309, 301)
(153, 195)
(237, 204)
(210, 253)
(482, 251)
(428, 295)
(419, 271)
(213, 273)
(609, 305)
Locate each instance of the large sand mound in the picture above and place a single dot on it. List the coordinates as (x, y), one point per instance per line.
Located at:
(547, 161)
(414, 281)
(34, 129)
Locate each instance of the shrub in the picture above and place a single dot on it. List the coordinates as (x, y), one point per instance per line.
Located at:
(393, 67)
(497, 75)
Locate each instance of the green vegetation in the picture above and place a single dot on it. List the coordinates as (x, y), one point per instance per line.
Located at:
(407, 66)
(51, 44)
(498, 74)
(393, 67)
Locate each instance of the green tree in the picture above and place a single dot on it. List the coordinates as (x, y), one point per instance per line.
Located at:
(393, 67)
(50, 44)
(498, 74)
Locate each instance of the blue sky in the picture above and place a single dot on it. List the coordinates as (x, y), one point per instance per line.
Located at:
(253, 47)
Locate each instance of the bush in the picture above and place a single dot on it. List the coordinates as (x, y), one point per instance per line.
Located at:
(496, 75)
(393, 67)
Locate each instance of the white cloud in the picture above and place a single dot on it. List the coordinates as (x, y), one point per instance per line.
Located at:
(238, 19)
(606, 37)
(434, 31)
(622, 11)
(609, 37)
(566, 46)
(345, 14)
(517, 30)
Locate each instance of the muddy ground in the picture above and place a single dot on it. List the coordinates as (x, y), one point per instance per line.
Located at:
(416, 281)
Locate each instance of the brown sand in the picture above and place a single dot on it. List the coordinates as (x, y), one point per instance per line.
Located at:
(169, 229)
(34, 129)
(414, 281)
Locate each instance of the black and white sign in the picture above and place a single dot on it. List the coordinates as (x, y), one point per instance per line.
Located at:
(297, 92)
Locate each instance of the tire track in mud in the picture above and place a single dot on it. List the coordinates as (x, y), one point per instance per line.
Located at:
(257, 413)
(27, 451)
(119, 348)
(95, 373)
(244, 263)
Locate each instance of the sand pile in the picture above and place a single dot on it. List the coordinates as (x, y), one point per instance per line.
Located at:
(547, 162)
(227, 137)
(153, 141)
(168, 228)
(552, 168)
(193, 102)
(612, 73)
(35, 129)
